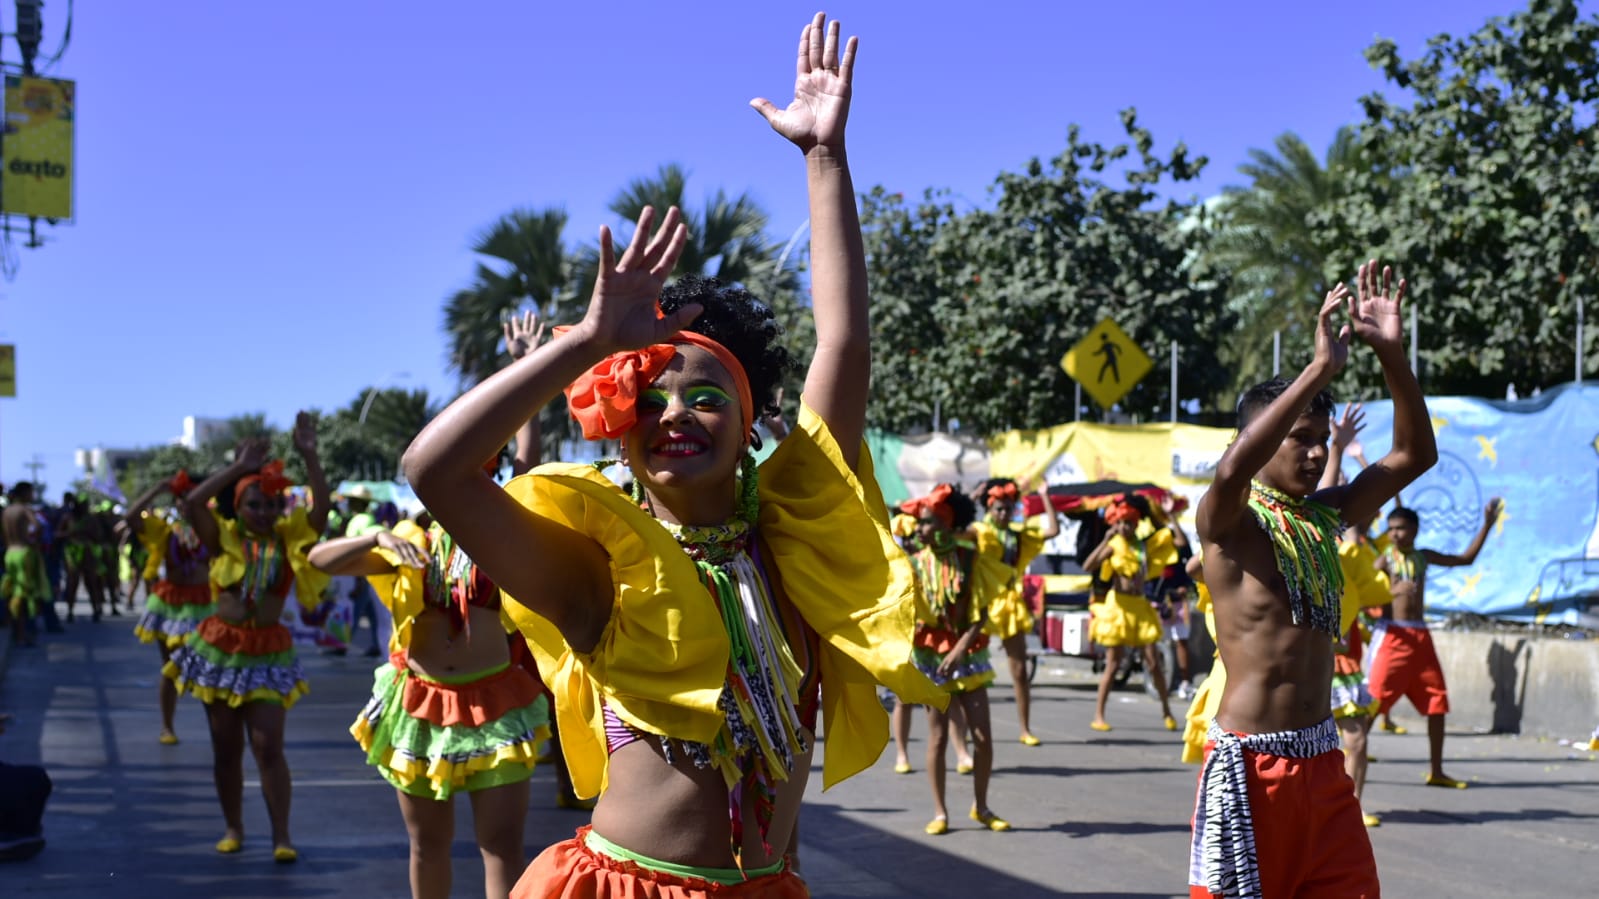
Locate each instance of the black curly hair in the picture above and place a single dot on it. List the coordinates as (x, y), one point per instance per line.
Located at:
(1257, 398)
(965, 511)
(740, 321)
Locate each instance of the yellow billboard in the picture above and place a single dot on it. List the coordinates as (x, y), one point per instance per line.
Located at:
(36, 149)
(8, 369)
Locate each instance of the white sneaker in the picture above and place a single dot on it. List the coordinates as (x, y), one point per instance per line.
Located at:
(1185, 690)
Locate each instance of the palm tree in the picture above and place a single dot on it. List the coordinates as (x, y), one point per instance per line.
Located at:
(1270, 245)
(533, 267)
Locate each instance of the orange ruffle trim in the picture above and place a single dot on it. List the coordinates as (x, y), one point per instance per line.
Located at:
(571, 870)
(942, 641)
(251, 641)
(474, 704)
(182, 594)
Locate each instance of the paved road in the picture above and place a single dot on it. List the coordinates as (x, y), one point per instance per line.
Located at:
(1095, 814)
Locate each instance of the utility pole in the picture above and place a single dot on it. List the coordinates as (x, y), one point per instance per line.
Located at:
(34, 466)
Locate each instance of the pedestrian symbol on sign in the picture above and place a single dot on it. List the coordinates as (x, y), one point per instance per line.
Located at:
(1106, 363)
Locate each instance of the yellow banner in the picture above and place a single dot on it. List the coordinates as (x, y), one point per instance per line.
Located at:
(36, 150)
(1178, 457)
(8, 369)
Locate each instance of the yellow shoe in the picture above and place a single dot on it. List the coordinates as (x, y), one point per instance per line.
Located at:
(1371, 820)
(1100, 726)
(1590, 746)
(963, 767)
(937, 827)
(168, 738)
(229, 845)
(902, 767)
(990, 820)
(285, 855)
(1170, 722)
(1442, 781)
(1392, 728)
(1030, 740)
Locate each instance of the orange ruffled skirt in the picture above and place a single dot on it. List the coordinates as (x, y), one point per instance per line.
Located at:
(572, 870)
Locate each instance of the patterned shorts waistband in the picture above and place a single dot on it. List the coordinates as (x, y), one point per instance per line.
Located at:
(1304, 743)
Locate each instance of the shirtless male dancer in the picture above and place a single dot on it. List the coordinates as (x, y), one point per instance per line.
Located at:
(1276, 814)
(1403, 660)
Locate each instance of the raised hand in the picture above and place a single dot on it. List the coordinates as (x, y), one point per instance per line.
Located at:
(523, 334)
(1490, 512)
(624, 312)
(1374, 310)
(251, 453)
(1332, 343)
(1349, 424)
(816, 115)
(304, 434)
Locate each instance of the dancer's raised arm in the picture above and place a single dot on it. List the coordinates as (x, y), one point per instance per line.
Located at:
(555, 571)
(836, 385)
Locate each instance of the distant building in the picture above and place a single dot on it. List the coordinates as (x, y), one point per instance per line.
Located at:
(198, 431)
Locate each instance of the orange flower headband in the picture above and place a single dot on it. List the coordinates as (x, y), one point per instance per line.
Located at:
(604, 399)
(1002, 493)
(1122, 510)
(270, 478)
(935, 503)
(181, 483)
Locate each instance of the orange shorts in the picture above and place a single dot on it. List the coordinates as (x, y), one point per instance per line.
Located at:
(1405, 664)
(571, 870)
(1309, 837)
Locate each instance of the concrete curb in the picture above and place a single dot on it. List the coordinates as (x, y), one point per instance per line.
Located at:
(1518, 683)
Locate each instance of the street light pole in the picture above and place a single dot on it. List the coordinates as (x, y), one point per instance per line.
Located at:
(372, 393)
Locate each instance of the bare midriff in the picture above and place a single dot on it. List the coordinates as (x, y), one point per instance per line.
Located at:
(437, 651)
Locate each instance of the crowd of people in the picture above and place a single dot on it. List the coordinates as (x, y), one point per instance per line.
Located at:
(678, 632)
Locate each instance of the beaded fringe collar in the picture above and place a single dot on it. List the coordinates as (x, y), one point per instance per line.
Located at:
(1304, 538)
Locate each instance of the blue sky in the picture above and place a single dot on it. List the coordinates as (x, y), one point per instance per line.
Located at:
(274, 199)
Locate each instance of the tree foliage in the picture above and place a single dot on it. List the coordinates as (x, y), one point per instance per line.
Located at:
(974, 310)
(1481, 186)
(1275, 255)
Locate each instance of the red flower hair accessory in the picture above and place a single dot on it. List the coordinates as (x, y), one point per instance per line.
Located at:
(1121, 510)
(180, 483)
(270, 478)
(935, 503)
(1002, 493)
(604, 399)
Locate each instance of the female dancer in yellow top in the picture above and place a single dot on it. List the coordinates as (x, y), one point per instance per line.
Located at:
(683, 630)
(1126, 619)
(241, 661)
(1006, 547)
(178, 564)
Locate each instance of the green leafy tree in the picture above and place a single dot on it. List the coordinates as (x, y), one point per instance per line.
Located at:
(527, 265)
(974, 310)
(1275, 256)
(1481, 189)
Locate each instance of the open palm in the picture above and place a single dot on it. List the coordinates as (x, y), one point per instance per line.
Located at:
(817, 114)
(1374, 310)
(624, 312)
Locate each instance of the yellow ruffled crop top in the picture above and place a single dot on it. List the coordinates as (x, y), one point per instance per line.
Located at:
(661, 663)
(294, 529)
(1158, 552)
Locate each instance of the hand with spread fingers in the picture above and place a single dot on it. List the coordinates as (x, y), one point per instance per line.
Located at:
(624, 312)
(1374, 310)
(305, 434)
(816, 115)
(1332, 342)
(1347, 426)
(523, 334)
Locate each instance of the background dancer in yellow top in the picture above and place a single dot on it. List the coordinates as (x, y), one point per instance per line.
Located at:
(180, 597)
(1006, 546)
(1126, 619)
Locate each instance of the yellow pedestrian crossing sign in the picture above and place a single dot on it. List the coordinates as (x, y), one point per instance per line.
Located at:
(1107, 363)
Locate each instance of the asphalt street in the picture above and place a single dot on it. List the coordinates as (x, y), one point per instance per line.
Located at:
(1094, 814)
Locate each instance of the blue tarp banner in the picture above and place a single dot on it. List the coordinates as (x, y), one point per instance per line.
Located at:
(1541, 455)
